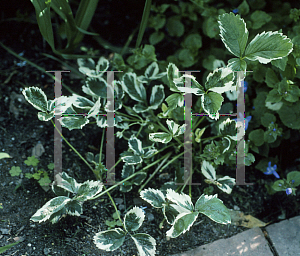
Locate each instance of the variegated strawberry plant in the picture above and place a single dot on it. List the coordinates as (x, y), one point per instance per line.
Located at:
(160, 127)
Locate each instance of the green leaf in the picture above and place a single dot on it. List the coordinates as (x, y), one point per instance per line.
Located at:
(280, 63)
(273, 96)
(269, 137)
(278, 185)
(259, 18)
(45, 181)
(52, 210)
(175, 129)
(234, 33)
(192, 42)
(97, 86)
(152, 72)
(243, 8)
(31, 160)
(186, 57)
(156, 37)
(172, 73)
(162, 137)
(135, 145)
(228, 127)
(28, 175)
(211, 104)
(6, 247)
(15, 171)
(267, 118)
(249, 159)
(213, 208)
(45, 116)
(257, 136)
(208, 170)
(226, 184)
(43, 16)
(134, 89)
(36, 97)
(81, 102)
(73, 122)
(50, 166)
(134, 219)
(196, 88)
(268, 46)
(287, 115)
(68, 183)
(88, 190)
(182, 200)
(271, 78)
(157, 96)
(154, 197)
(236, 64)
(4, 155)
(173, 101)
(145, 244)
(109, 240)
(139, 178)
(210, 27)
(220, 80)
(182, 223)
(131, 159)
(198, 134)
(175, 27)
(102, 66)
(295, 175)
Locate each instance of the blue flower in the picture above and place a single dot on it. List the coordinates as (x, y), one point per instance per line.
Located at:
(271, 170)
(235, 11)
(288, 191)
(245, 86)
(247, 120)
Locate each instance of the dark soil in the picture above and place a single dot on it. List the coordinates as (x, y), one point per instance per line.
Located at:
(20, 131)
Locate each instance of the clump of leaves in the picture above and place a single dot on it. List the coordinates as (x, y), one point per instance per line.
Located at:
(39, 174)
(115, 222)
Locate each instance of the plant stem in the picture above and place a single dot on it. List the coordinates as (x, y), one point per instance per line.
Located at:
(72, 147)
(100, 152)
(157, 169)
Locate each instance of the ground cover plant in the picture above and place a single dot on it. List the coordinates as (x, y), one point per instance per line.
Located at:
(149, 108)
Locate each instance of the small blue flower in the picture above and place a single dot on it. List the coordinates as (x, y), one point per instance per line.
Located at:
(235, 11)
(245, 86)
(288, 191)
(271, 170)
(247, 120)
(143, 208)
(293, 181)
(274, 129)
